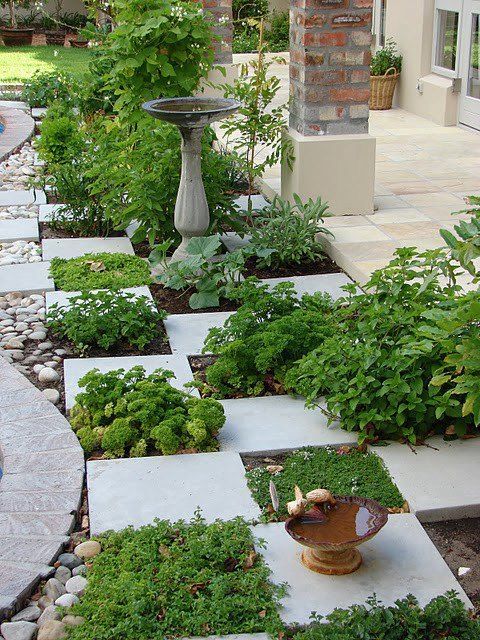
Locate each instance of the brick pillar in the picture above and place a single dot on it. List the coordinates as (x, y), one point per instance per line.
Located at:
(329, 66)
(221, 13)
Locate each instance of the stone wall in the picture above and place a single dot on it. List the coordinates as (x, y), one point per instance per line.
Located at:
(329, 66)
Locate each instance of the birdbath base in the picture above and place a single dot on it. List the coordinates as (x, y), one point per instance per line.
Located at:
(332, 563)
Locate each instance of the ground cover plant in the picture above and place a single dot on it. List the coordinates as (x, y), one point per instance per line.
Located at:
(18, 64)
(100, 271)
(129, 413)
(342, 470)
(106, 318)
(443, 618)
(174, 580)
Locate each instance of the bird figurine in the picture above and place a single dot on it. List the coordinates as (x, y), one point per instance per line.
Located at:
(299, 506)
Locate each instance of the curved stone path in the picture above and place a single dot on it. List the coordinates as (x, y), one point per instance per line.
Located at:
(40, 490)
(19, 127)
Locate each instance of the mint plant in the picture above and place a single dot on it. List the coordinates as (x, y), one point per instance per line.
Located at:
(105, 319)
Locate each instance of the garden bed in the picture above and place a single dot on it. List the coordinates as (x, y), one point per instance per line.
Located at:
(47, 232)
(322, 266)
(173, 301)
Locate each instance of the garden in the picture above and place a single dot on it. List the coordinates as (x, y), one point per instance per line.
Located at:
(248, 387)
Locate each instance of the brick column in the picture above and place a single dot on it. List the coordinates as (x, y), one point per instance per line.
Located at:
(220, 12)
(329, 66)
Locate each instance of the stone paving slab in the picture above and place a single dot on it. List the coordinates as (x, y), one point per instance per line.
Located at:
(31, 277)
(75, 247)
(135, 491)
(258, 202)
(327, 283)
(13, 197)
(19, 229)
(46, 211)
(40, 550)
(276, 423)
(62, 297)
(15, 104)
(187, 331)
(231, 240)
(401, 559)
(38, 112)
(76, 368)
(440, 483)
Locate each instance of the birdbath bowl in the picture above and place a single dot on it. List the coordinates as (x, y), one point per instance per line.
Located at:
(191, 115)
(332, 534)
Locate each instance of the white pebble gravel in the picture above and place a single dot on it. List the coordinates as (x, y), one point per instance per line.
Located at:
(19, 252)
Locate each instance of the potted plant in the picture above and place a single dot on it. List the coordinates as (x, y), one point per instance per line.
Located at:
(13, 35)
(385, 70)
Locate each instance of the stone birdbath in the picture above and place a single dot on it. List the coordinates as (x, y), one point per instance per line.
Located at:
(191, 115)
(333, 528)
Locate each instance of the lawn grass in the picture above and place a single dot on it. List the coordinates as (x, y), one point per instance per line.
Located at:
(18, 64)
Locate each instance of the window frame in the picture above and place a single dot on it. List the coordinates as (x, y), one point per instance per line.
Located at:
(457, 7)
(377, 23)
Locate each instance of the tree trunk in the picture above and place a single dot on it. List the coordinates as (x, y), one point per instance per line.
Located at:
(13, 19)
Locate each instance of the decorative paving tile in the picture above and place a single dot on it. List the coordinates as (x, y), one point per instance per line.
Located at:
(276, 423)
(19, 229)
(439, 483)
(365, 233)
(9, 198)
(401, 559)
(76, 368)
(75, 247)
(135, 491)
(28, 278)
(327, 283)
(46, 211)
(187, 332)
(62, 297)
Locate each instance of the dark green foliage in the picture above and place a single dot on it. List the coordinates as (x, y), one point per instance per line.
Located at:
(443, 618)
(277, 35)
(178, 580)
(100, 271)
(120, 411)
(343, 471)
(44, 88)
(105, 319)
(386, 58)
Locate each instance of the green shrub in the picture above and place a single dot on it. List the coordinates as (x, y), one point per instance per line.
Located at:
(62, 139)
(290, 230)
(174, 580)
(43, 88)
(443, 618)
(100, 271)
(105, 319)
(277, 35)
(129, 410)
(242, 9)
(386, 58)
(245, 40)
(343, 471)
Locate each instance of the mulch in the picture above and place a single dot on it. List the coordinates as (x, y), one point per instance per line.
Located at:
(177, 301)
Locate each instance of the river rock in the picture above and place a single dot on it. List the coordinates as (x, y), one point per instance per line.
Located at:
(52, 630)
(67, 600)
(76, 585)
(18, 630)
(73, 621)
(62, 573)
(50, 613)
(81, 570)
(54, 589)
(88, 549)
(69, 560)
(48, 375)
(29, 614)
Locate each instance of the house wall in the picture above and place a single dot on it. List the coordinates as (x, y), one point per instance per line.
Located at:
(410, 24)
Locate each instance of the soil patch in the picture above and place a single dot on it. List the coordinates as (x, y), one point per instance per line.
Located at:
(459, 543)
(177, 301)
(48, 233)
(322, 266)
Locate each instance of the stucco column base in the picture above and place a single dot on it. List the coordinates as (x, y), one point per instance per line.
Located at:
(339, 169)
(216, 77)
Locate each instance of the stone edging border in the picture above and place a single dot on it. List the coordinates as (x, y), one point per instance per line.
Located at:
(40, 490)
(19, 127)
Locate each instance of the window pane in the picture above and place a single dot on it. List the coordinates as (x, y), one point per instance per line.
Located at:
(383, 11)
(473, 72)
(447, 35)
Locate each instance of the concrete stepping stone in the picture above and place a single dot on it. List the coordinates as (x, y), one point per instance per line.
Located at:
(327, 283)
(231, 240)
(439, 483)
(75, 247)
(30, 277)
(18, 229)
(46, 211)
(276, 423)
(400, 559)
(187, 331)
(12, 197)
(258, 202)
(135, 491)
(38, 112)
(76, 368)
(62, 297)
(15, 104)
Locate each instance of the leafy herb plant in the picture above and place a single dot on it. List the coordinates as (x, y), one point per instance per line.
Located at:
(122, 412)
(178, 580)
(386, 58)
(106, 318)
(344, 471)
(100, 271)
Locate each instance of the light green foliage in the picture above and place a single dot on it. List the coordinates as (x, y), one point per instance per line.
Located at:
(386, 58)
(100, 271)
(345, 471)
(443, 618)
(44, 88)
(290, 230)
(465, 245)
(62, 138)
(129, 412)
(246, 36)
(105, 319)
(270, 331)
(174, 580)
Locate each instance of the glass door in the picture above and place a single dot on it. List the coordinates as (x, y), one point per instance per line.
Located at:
(470, 72)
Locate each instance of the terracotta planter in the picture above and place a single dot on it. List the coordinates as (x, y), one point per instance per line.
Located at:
(55, 37)
(79, 45)
(16, 37)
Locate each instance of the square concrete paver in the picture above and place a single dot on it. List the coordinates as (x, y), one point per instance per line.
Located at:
(19, 229)
(187, 332)
(10, 198)
(276, 423)
(327, 283)
(75, 247)
(62, 297)
(135, 491)
(399, 560)
(32, 277)
(46, 211)
(439, 483)
(76, 368)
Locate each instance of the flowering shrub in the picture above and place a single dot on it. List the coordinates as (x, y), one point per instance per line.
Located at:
(43, 88)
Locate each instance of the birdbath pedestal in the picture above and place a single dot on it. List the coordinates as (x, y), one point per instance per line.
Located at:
(191, 115)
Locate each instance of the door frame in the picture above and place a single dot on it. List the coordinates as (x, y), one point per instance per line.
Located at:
(469, 107)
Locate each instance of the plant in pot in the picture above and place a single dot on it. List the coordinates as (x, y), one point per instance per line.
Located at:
(55, 30)
(385, 70)
(15, 35)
